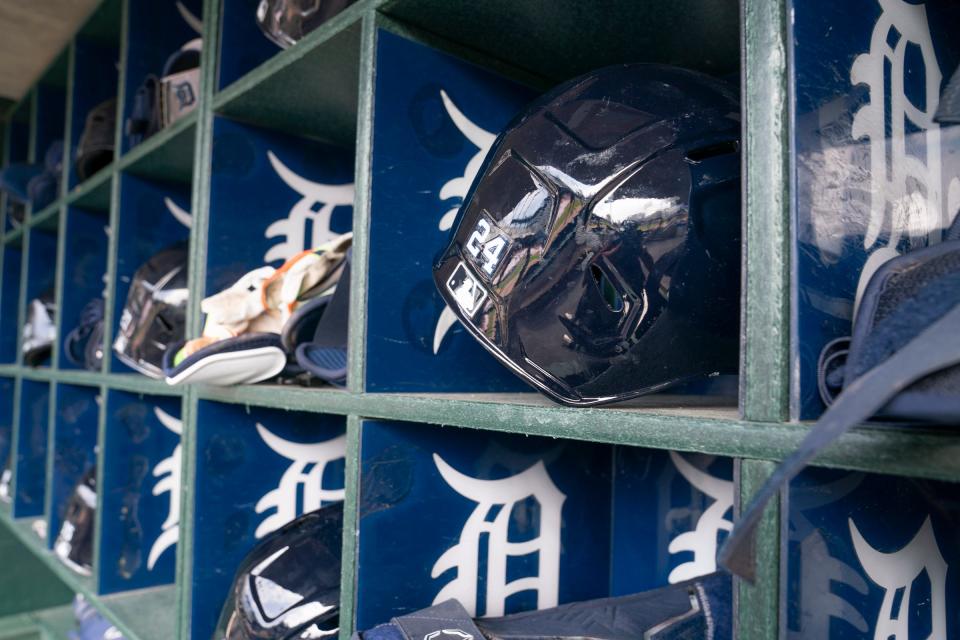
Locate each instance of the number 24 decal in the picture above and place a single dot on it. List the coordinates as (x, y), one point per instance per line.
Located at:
(486, 251)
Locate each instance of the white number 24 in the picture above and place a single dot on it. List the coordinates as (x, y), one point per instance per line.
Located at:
(487, 253)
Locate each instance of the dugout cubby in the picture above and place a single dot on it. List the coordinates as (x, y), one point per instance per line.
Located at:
(155, 31)
(140, 491)
(17, 143)
(84, 275)
(10, 287)
(51, 111)
(29, 459)
(7, 388)
(243, 46)
(312, 91)
(94, 68)
(846, 528)
(538, 521)
(259, 469)
(296, 194)
(647, 487)
(40, 282)
(433, 121)
(73, 439)
(153, 216)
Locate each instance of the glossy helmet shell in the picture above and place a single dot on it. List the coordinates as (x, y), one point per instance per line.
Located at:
(74, 543)
(285, 22)
(597, 254)
(288, 587)
(154, 316)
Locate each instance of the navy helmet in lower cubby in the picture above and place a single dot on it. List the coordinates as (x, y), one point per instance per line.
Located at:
(40, 331)
(505, 523)
(30, 449)
(872, 556)
(435, 119)
(6, 434)
(154, 216)
(12, 257)
(139, 492)
(75, 422)
(83, 288)
(256, 470)
(272, 196)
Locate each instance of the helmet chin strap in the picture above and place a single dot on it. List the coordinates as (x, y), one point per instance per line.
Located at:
(934, 349)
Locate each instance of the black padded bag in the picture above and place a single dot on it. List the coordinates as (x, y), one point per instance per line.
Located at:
(903, 362)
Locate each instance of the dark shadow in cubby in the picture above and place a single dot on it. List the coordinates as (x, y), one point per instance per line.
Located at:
(259, 468)
(140, 492)
(10, 301)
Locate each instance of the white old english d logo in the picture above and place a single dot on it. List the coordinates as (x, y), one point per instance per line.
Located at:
(303, 479)
(490, 522)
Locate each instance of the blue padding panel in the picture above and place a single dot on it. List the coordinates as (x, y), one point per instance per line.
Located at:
(420, 155)
(242, 45)
(41, 267)
(151, 220)
(51, 117)
(74, 447)
(865, 550)
(19, 147)
(85, 263)
(10, 302)
(140, 492)
(439, 508)
(30, 475)
(291, 194)
(258, 469)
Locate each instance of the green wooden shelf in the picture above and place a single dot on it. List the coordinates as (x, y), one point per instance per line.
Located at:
(323, 88)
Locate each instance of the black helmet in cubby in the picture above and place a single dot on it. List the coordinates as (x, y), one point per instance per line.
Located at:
(74, 543)
(597, 255)
(288, 586)
(95, 148)
(155, 314)
(285, 22)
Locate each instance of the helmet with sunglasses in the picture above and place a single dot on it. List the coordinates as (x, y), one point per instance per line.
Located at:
(597, 255)
(155, 314)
